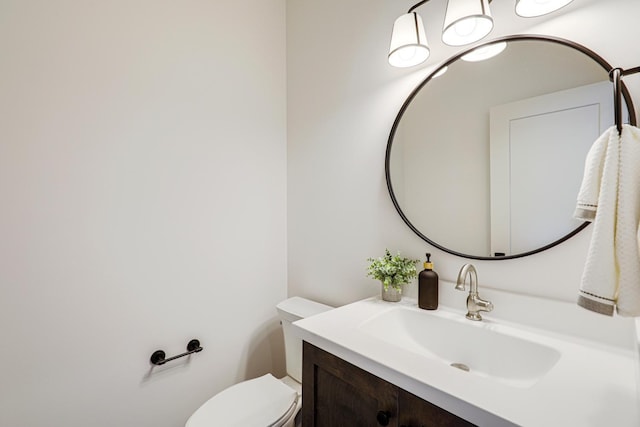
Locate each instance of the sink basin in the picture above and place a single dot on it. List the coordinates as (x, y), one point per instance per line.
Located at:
(477, 348)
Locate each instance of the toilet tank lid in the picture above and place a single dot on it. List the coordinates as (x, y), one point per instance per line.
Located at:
(295, 308)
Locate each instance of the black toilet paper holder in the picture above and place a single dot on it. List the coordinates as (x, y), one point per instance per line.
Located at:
(159, 357)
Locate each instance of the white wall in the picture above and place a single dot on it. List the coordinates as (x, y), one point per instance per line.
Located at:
(342, 100)
(142, 204)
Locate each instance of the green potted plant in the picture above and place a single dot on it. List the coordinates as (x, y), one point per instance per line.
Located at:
(393, 271)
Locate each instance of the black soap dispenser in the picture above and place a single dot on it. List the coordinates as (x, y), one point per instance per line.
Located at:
(428, 286)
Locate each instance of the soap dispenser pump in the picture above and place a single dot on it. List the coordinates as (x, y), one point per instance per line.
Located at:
(428, 286)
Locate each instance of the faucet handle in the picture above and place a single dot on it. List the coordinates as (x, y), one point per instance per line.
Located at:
(475, 305)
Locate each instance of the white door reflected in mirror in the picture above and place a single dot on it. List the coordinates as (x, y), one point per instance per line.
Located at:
(535, 178)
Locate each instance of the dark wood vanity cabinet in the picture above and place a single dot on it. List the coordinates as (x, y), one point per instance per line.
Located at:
(339, 394)
(416, 412)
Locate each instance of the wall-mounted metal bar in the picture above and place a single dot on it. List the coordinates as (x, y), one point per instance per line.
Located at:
(158, 356)
(631, 71)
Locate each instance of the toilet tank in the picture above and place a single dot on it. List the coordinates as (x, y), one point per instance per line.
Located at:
(290, 310)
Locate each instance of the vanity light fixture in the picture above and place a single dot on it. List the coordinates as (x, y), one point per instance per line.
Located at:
(408, 41)
(465, 22)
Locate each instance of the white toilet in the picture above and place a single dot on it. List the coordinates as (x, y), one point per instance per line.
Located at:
(265, 401)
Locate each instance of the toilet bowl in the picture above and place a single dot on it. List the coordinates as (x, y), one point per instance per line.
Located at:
(265, 401)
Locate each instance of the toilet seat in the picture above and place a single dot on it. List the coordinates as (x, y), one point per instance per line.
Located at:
(260, 402)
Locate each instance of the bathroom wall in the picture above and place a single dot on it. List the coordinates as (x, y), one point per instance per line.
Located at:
(142, 204)
(342, 100)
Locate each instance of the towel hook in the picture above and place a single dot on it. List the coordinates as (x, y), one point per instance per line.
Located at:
(615, 75)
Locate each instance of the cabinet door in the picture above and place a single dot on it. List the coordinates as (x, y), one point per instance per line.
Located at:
(415, 412)
(336, 393)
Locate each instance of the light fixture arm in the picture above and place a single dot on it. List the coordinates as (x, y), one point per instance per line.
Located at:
(417, 5)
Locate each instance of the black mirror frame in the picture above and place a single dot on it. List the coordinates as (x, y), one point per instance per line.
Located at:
(524, 37)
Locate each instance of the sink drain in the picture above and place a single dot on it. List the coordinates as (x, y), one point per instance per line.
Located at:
(461, 366)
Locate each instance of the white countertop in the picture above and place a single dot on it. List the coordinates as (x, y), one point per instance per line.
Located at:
(591, 385)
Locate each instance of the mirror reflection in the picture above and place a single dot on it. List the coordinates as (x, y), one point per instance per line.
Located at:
(486, 160)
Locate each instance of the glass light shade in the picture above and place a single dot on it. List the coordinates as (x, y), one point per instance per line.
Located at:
(408, 41)
(466, 21)
(484, 52)
(532, 8)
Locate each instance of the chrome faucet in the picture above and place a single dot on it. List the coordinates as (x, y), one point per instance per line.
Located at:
(475, 304)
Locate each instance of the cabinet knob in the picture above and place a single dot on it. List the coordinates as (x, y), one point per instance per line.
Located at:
(383, 418)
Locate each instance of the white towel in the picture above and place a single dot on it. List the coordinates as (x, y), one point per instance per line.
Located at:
(610, 196)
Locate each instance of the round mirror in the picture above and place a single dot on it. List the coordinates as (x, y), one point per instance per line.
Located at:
(486, 159)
